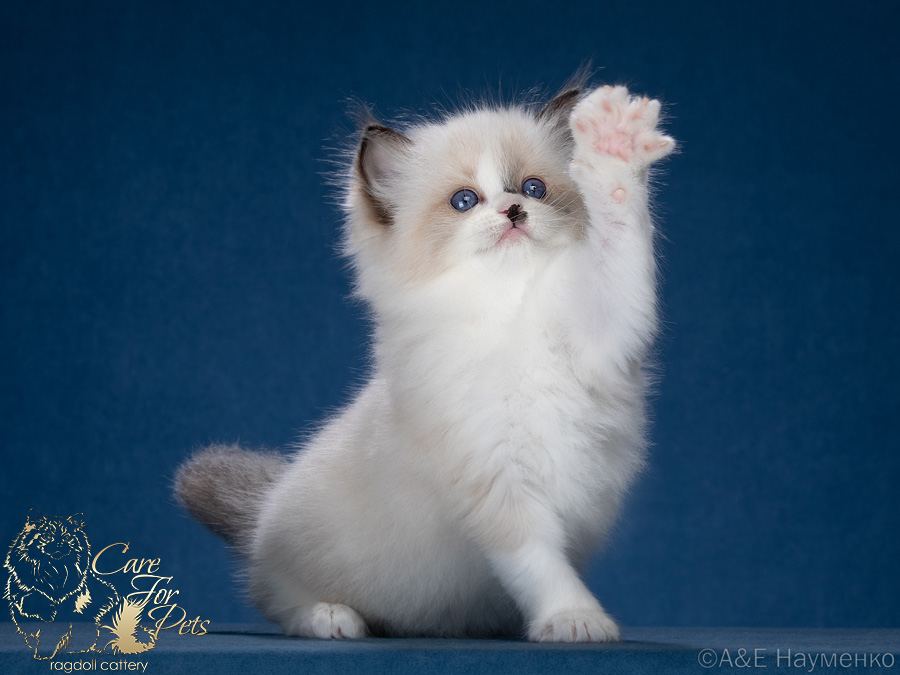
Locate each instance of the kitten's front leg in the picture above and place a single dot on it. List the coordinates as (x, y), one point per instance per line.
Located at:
(512, 518)
(616, 140)
(557, 606)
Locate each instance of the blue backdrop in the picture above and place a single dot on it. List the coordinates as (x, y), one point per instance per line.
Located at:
(169, 277)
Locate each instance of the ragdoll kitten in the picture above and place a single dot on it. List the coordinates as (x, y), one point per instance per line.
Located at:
(507, 258)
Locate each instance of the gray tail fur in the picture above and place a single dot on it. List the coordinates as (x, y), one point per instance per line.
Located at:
(223, 486)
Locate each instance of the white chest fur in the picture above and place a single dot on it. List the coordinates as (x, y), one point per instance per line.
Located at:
(493, 402)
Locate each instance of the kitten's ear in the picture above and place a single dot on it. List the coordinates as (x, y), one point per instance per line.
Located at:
(77, 520)
(557, 111)
(381, 153)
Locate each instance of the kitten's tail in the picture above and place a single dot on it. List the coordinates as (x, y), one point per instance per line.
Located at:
(223, 486)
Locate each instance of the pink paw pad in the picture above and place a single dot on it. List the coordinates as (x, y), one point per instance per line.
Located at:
(615, 144)
(611, 122)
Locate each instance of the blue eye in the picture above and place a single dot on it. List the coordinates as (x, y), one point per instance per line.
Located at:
(464, 200)
(534, 187)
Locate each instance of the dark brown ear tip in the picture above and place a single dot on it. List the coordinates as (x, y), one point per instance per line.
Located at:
(561, 102)
(568, 96)
(374, 130)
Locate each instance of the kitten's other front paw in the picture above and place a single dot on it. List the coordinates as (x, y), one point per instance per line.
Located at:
(327, 621)
(575, 625)
(611, 123)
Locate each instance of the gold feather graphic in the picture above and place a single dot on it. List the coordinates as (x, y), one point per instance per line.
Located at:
(125, 627)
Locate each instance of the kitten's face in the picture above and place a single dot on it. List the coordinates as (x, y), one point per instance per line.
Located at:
(489, 184)
(54, 538)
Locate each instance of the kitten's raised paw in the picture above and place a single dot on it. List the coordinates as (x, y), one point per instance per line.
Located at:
(576, 625)
(327, 621)
(610, 122)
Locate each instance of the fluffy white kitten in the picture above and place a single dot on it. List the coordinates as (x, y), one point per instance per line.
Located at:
(507, 258)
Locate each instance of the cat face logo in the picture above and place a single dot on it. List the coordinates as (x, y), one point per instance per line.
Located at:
(60, 602)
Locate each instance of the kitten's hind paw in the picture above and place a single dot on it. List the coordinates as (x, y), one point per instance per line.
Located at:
(327, 621)
(576, 625)
(609, 122)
